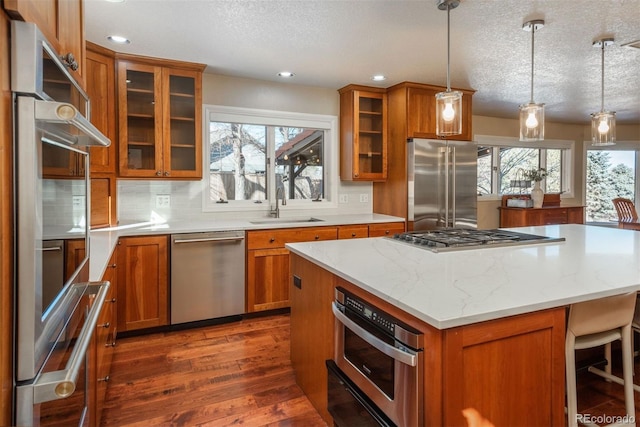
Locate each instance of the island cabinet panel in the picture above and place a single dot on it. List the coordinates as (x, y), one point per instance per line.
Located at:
(511, 370)
(311, 289)
(267, 278)
(142, 282)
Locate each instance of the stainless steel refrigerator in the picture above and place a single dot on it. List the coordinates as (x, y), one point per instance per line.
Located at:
(442, 180)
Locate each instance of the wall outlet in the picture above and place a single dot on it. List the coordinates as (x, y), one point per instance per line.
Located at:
(163, 201)
(77, 201)
(343, 198)
(364, 198)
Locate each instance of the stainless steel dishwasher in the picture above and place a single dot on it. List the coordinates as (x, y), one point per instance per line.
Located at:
(207, 275)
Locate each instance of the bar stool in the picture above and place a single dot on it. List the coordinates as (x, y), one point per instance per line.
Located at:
(635, 328)
(594, 323)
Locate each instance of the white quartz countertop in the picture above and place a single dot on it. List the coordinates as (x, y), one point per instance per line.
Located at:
(102, 241)
(450, 289)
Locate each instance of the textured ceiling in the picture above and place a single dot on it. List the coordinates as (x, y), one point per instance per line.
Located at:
(332, 43)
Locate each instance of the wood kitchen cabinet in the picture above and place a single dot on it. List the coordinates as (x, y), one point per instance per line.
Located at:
(143, 287)
(385, 229)
(363, 134)
(101, 81)
(160, 104)
(411, 114)
(523, 217)
(267, 278)
(353, 231)
(62, 23)
(105, 337)
(311, 289)
(486, 365)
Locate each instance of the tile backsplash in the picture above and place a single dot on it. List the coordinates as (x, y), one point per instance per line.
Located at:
(146, 200)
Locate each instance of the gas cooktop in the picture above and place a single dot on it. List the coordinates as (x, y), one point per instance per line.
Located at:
(452, 239)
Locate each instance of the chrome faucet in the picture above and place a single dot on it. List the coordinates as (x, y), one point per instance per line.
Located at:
(276, 212)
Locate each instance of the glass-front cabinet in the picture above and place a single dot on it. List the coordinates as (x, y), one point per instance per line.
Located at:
(160, 121)
(363, 134)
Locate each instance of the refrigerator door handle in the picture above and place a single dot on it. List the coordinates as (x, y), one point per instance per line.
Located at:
(452, 154)
(445, 160)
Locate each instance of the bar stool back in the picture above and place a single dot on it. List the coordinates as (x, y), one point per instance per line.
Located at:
(595, 323)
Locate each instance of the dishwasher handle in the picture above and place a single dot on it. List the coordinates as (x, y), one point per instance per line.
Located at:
(210, 239)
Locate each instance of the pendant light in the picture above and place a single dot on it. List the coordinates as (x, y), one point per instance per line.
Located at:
(532, 114)
(449, 103)
(603, 124)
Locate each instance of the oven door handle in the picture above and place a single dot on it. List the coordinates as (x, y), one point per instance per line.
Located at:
(60, 384)
(402, 356)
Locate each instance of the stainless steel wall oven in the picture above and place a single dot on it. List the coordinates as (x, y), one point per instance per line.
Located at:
(379, 361)
(56, 310)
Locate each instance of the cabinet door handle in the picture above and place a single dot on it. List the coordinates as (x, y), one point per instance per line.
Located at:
(112, 266)
(105, 379)
(106, 325)
(158, 173)
(113, 300)
(70, 61)
(110, 344)
(166, 174)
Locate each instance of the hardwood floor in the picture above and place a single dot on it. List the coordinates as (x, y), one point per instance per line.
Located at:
(233, 374)
(240, 374)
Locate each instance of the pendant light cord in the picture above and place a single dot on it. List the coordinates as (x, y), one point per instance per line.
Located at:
(533, 32)
(602, 82)
(448, 45)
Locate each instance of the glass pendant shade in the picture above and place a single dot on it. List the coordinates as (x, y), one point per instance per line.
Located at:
(449, 113)
(603, 128)
(532, 122)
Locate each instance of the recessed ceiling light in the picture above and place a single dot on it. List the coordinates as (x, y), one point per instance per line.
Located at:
(286, 74)
(119, 39)
(378, 78)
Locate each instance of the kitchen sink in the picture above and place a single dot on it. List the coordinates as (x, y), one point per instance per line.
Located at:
(285, 220)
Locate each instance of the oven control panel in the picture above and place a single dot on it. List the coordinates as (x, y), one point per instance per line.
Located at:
(375, 316)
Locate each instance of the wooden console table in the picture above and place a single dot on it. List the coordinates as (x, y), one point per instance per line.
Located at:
(550, 213)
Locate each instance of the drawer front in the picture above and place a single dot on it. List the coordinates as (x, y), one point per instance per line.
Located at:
(278, 238)
(353, 231)
(557, 216)
(385, 229)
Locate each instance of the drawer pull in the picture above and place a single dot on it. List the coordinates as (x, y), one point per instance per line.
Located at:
(386, 231)
(271, 240)
(353, 234)
(317, 237)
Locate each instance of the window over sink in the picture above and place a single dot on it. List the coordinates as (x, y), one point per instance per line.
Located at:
(253, 156)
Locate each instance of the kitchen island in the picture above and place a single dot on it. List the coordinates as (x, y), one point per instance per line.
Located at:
(493, 318)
